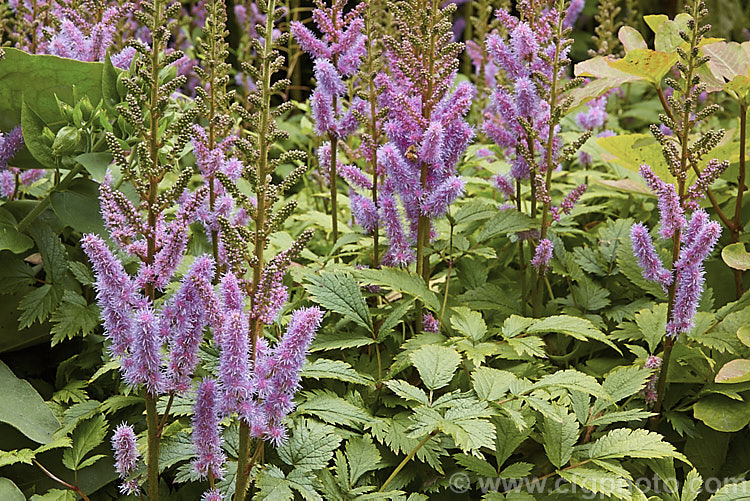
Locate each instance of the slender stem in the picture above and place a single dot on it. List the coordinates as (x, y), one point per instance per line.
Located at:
(333, 182)
(153, 448)
(51, 475)
(664, 103)
(406, 460)
(448, 277)
(240, 487)
(374, 132)
(737, 228)
(521, 256)
(256, 325)
(163, 421)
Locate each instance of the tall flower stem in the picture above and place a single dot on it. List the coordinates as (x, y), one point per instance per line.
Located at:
(372, 97)
(684, 137)
(256, 325)
(737, 223)
(558, 40)
(423, 222)
(152, 419)
(333, 181)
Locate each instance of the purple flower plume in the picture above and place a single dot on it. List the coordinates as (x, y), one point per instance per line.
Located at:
(144, 366)
(689, 275)
(670, 209)
(206, 432)
(126, 457)
(645, 252)
(116, 294)
(430, 323)
(183, 319)
(542, 256)
(233, 340)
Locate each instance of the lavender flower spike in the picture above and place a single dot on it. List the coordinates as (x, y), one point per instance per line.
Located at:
(670, 209)
(206, 438)
(645, 252)
(212, 495)
(144, 366)
(126, 457)
(543, 254)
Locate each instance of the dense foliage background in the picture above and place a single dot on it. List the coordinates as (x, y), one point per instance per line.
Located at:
(485, 333)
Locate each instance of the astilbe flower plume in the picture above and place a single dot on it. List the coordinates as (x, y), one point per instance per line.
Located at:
(425, 127)
(126, 457)
(207, 440)
(697, 237)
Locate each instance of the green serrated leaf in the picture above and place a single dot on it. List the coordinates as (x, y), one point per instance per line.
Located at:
(598, 481)
(560, 437)
(362, 456)
(436, 365)
(339, 292)
(407, 391)
(468, 323)
(491, 384)
(578, 328)
(311, 446)
(73, 317)
(572, 380)
(334, 369)
(86, 436)
(639, 443)
(733, 492)
(331, 408)
(401, 281)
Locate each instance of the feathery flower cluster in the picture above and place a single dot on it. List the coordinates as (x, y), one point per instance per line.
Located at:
(77, 38)
(126, 457)
(207, 440)
(698, 236)
(542, 255)
(430, 323)
(10, 144)
(137, 332)
(260, 388)
(425, 127)
(337, 54)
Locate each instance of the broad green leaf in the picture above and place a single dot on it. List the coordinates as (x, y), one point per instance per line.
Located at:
(53, 76)
(515, 325)
(624, 442)
(631, 39)
(175, 449)
(401, 281)
(735, 256)
(323, 368)
(55, 495)
(32, 126)
(311, 446)
(739, 88)
(16, 275)
(436, 365)
(464, 423)
(78, 207)
(619, 417)
(743, 333)
(362, 456)
(331, 408)
(468, 323)
(733, 492)
(504, 222)
(339, 292)
(621, 383)
(9, 491)
(728, 59)
(645, 63)
(491, 384)
(13, 240)
(86, 436)
(23, 408)
(516, 470)
(407, 391)
(96, 164)
(736, 371)
(559, 438)
(598, 481)
(338, 340)
(722, 413)
(576, 327)
(605, 78)
(509, 436)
